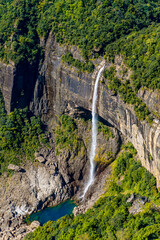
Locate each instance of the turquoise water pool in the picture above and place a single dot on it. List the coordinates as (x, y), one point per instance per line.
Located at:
(53, 213)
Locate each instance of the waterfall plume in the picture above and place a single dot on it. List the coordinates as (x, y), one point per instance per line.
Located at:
(94, 134)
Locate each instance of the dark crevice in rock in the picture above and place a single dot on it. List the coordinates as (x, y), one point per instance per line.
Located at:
(24, 84)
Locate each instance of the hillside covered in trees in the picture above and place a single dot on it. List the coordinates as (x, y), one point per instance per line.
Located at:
(91, 25)
(99, 28)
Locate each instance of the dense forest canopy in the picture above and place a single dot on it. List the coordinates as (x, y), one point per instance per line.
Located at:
(89, 24)
(141, 52)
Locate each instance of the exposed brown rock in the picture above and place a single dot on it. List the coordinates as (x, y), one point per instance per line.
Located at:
(14, 167)
(138, 203)
(151, 98)
(40, 159)
(34, 225)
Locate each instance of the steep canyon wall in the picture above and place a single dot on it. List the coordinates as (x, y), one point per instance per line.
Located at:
(59, 86)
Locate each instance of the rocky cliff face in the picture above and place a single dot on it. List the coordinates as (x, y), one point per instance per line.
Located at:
(59, 85)
(17, 84)
(6, 83)
(152, 99)
(62, 85)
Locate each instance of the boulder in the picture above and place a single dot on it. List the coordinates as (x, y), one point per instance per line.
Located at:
(34, 225)
(40, 159)
(14, 167)
(138, 203)
(131, 198)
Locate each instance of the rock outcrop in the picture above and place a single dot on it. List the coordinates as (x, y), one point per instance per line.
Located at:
(14, 167)
(151, 98)
(7, 73)
(36, 187)
(138, 203)
(17, 83)
(61, 84)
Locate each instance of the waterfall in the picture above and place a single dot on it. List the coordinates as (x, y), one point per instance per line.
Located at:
(94, 134)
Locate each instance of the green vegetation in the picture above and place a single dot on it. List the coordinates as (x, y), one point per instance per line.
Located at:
(19, 39)
(130, 28)
(93, 24)
(135, 178)
(20, 136)
(89, 24)
(66, 134)
(82, 66)
(110, 218)
(141, 53)
(106, 131)
(127, 94)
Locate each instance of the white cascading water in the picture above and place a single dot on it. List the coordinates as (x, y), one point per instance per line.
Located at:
(94, 134)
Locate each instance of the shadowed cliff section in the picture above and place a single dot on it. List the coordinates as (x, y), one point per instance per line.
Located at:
(17, 83)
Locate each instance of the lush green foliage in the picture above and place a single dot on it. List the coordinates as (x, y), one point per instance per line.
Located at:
(106, 131)
(127, 94)
(89, 24)
(93, 24)
(110, 218)
(141, 54)
(82, 66)
(66, 134)
(18, 35)
(20, 136)
(135, 177)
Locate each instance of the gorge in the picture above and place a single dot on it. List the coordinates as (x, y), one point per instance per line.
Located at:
(79, 118)
(60, 88)
(58, 85)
